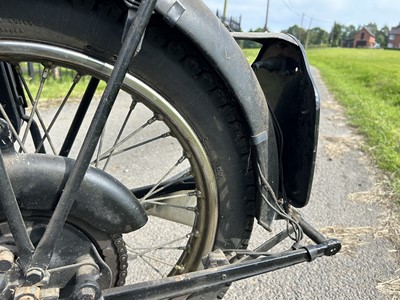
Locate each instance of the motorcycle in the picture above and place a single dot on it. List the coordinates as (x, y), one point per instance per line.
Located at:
(173, 172)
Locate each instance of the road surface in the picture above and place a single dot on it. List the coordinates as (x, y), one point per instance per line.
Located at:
(347, 203)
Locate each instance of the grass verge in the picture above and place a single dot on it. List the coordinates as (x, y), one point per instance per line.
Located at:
(57, 89)
(367, 83)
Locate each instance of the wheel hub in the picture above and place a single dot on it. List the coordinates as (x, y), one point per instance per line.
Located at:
(80, 263)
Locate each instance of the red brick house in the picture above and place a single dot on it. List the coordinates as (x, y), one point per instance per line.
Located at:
(394, 37)
(364, 39)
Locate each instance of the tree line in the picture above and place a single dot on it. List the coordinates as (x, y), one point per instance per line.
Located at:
(320, 37)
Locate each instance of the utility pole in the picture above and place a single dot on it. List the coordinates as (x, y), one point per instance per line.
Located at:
(308, 33)
(266, 17)
(301, 27)
(224, 12)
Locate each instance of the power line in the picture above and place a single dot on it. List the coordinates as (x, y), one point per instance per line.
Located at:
(320, 20)
(291, 7)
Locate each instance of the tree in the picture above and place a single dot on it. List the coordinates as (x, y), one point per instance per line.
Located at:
(373, 28)
(382, 36)
(335, 35)
(298, 32)
(349, 32)
(318, 36)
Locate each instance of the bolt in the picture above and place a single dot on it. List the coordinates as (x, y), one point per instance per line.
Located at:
(180, 268)
(27, 293)
(26, 298)
(6, 260)
(86, 293)
(34, 275)
(223, 276)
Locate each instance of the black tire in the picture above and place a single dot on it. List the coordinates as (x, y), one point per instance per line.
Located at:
(174, 68)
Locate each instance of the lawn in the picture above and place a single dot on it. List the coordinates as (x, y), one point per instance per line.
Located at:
(57, 89)
(367, 83)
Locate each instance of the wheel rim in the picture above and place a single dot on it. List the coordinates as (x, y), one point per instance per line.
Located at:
(204, 214)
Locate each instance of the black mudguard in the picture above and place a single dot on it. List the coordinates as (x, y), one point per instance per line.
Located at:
(283, 72)
(38, 181)
(206, 31)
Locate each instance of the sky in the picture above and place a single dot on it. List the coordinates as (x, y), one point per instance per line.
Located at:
(320, 13)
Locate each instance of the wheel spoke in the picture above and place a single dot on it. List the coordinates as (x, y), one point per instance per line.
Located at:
(128, 115)
(35, 104)
(177, 207)
(100, 147)
(134, 251)
(151, 249)
(148, 122)
(114, 153)
(62, 105)
(152, 266)
(152, 191)
(158, 260)
(174, 182)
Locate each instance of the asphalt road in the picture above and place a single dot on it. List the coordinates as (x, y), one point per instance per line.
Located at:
(346, 203)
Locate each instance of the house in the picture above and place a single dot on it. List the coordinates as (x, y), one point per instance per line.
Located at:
(364, 39)
(394, 37)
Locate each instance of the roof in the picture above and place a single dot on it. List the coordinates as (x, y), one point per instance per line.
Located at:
(395, 30)
(368, 30)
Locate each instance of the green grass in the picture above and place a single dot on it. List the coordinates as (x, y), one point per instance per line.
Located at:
(251, 54)
(57, 89)
(367, 83)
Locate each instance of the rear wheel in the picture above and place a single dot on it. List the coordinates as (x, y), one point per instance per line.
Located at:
(175, 137)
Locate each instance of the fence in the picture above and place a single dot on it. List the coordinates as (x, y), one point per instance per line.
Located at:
(34, 71)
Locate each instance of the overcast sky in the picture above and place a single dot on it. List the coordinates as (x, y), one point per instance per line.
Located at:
(322, 13)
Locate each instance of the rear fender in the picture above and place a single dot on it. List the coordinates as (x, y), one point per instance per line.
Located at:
(207, 33)
(214, 41)
(282, 70)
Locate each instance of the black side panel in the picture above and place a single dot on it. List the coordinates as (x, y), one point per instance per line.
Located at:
(282, 70)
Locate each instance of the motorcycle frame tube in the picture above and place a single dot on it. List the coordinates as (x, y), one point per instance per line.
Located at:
(207, 33)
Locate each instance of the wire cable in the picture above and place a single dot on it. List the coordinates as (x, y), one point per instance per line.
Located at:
(277, 207)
